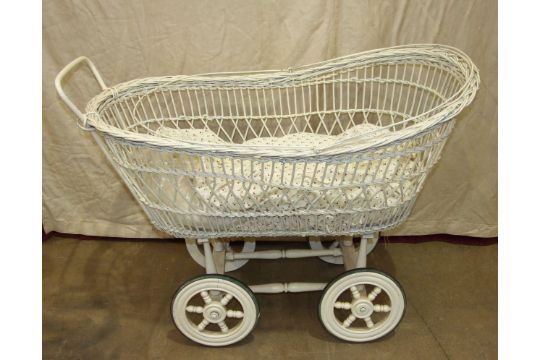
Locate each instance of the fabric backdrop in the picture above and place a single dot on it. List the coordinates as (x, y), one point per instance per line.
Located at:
(129, 39)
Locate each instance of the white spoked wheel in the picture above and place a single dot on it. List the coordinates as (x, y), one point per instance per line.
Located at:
(315, 243)
(362, 305)
(197, 253)
(215, 310)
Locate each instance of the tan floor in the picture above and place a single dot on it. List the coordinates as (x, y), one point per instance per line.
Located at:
(109, 299)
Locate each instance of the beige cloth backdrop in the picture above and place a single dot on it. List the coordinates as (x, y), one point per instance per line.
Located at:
(129, 39)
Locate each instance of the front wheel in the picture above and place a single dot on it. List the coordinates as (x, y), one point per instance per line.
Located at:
(362, 305)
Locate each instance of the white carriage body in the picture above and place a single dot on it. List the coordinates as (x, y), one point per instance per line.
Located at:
(337, 148)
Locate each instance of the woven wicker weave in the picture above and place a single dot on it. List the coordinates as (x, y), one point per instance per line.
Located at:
(340, 147)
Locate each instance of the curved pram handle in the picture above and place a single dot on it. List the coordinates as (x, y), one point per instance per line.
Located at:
(60, 77)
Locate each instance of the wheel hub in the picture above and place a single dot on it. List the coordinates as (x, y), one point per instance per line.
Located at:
(362, 308)
(214, 312)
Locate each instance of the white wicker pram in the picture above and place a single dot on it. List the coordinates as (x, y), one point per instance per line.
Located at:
(334, 149)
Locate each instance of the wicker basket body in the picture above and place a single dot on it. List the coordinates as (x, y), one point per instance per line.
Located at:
(341, 147)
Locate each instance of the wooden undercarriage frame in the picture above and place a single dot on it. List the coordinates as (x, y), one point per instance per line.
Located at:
(216, 255)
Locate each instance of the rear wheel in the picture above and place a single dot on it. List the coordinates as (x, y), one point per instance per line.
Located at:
(215, 310)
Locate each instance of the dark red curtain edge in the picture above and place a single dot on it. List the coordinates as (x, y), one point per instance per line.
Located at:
(455, 239)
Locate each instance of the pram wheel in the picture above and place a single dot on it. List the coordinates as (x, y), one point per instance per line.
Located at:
(197, 254)
(362, 305)
(214, 310)
(315, 243)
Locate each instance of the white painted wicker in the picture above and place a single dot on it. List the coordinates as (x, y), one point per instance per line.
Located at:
(340, 147)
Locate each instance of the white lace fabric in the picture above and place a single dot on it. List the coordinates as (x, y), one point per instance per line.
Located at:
(309, 181)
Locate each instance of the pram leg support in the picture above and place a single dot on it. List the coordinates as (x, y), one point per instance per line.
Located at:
(214, 256)
(348, 252)
(218, 255)
(361, 261)
(353, 259)
(196, 251)
(209, 263)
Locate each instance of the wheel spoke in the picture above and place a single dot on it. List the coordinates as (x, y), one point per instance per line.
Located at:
(369, 322)
(206, 297)
(342, 305)
(202, 325)
(225, 300)
(373, 294)
(355, 292)
(362, 290)
(235, 314)
(349, 320)
(224, 328)
(194, 309)
(381, 308)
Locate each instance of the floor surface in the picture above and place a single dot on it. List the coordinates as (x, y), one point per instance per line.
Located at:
(109, 299)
